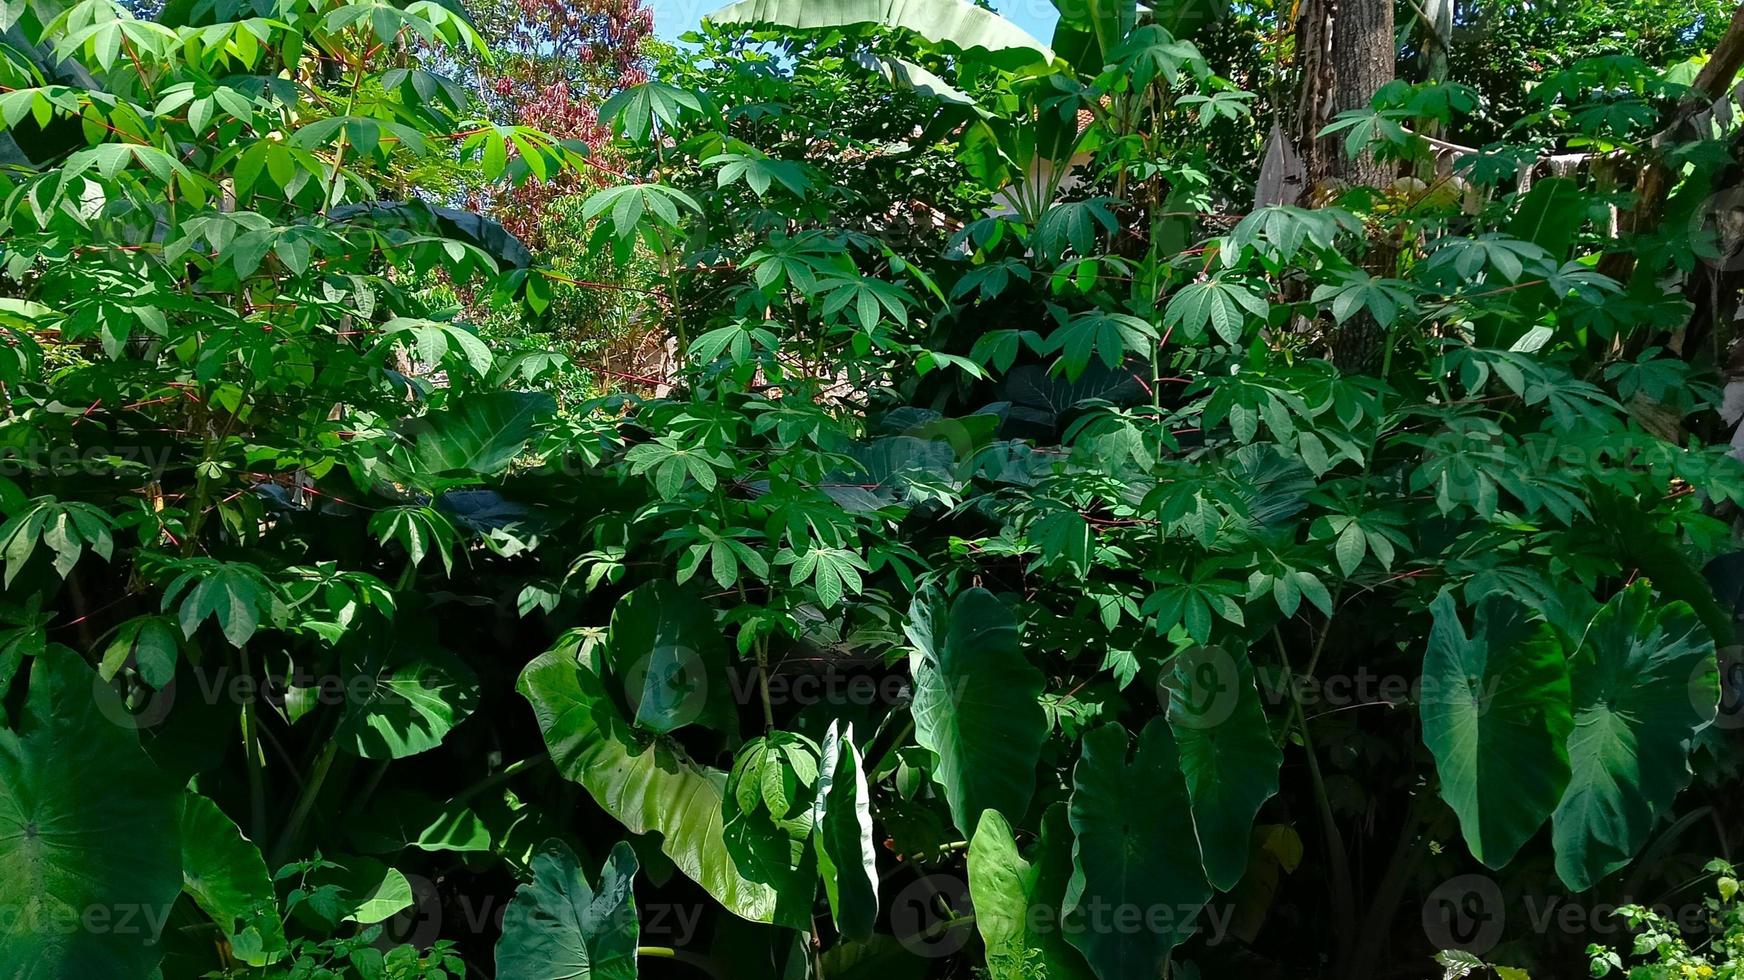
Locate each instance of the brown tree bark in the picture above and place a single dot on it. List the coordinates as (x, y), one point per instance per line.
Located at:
(1362, 55)
(1346, 51)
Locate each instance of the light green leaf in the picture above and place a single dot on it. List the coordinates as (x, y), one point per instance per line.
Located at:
(842, 815)
(651, 786)
(958, 24)
(1009, 892)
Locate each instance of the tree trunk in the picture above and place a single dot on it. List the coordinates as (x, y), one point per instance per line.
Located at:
(1346, 51)
(1346, 54)
(1362, 55)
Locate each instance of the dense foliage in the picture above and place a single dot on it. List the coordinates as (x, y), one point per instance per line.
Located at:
(1029, 558)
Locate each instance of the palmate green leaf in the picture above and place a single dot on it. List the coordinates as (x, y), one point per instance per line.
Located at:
(1496, 717)
(637, 110)
(842, 815)
(237, 595)
(1282, 232)
(759, 173)
(150, 643)
(1214, 304)
(1111, 337)
(1151, 54)
(1076, 224)
(1135, 855)
(975, 703)
(419, 529)
(629, 204)
(88, 826)
(1645, 683)
(674, 462)
(1011, 894)
(66, 529)
(1193, 602)
(866, 300)
(1358, 291)
(404, 701)
(1228, 757)
(956, 24)
(558, 927)
(775, 772)
(651, 786)
(225, 875)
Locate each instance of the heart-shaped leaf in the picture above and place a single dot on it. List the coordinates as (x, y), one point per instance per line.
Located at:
(1137, 882)
(1016, 901)
(669, 656)
(1497, 716)
(558, 927)
(1645, 682)
(88, 827)
(405, 702)
(975, 704)
(651, 786)
(225, 875)
(1227, 754)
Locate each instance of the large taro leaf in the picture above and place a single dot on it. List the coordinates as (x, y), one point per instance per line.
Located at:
(405, 701)
(1645, 683)
(88, 834)
(669, 657)
(651, 786)
(1228, 757)
(975, 704)
(558, 927)
(842, 814)
(956, 24)
(1017, 901)
(481, 435)
(1496, 716)
(1137, 883)
(227, 878)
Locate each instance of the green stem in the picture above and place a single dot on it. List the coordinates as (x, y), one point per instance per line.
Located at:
(305, 801)
(255, 762)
